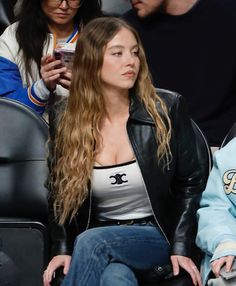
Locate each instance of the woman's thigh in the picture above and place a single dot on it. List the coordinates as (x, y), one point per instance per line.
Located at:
(138, 246)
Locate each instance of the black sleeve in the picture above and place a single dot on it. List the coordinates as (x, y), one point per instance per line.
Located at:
(187, 184)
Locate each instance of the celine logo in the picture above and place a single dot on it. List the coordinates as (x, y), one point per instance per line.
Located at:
(118, 179)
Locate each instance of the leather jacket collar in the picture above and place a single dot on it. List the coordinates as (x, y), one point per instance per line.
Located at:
(137, 111)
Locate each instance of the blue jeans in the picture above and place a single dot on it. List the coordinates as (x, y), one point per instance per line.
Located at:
(109, 255)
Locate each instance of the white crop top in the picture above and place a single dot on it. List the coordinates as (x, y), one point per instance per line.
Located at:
(119, 192)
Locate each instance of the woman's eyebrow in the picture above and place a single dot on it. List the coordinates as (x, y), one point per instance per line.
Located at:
(121, 47)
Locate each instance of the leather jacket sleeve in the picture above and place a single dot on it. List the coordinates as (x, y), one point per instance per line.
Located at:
(187, 184)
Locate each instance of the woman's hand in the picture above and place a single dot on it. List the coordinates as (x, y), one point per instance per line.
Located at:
(188, 265)
(65, 79)
(56, 262)
(217, 264)
(51, 70)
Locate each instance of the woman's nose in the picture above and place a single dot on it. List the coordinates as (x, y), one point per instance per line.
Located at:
(130, 59)
(64, 4)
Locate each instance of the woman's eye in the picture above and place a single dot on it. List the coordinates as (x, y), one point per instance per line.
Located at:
(135, 52)
(117, 54)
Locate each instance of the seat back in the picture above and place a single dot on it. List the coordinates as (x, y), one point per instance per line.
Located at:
(23, 196)
(23, 135)
(230, 135)
(6, 13)
(203, 152)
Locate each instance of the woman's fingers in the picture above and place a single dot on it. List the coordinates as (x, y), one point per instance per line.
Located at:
(54, 264)
(66, 265)
(65, 79)
(51, 71)
(217, 264)
(188, 265)
(229, 263)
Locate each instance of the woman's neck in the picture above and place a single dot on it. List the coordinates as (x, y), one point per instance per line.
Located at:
(62, 31)
(117, 105)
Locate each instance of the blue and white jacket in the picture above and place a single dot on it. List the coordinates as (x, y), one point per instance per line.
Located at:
(13, 81)
(217, 214)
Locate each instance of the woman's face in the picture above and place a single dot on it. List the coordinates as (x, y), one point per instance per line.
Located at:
(59, 12)
(121, 61)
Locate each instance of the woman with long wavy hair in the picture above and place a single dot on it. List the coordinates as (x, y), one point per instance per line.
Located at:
(123, 156)
(29, 73)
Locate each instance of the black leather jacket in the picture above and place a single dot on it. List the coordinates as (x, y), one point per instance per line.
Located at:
(174, 192)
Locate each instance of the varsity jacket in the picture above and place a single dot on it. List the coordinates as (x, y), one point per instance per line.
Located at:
(174, 192)
(217, 214)
(13, 78)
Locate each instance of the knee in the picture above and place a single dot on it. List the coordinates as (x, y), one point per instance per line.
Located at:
(118, 274)
(89, 240)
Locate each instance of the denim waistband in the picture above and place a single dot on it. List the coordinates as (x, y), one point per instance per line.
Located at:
(140, 221)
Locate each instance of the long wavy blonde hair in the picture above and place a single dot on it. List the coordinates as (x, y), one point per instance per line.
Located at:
(78, 131)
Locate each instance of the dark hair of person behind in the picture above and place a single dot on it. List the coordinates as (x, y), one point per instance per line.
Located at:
(32, 30)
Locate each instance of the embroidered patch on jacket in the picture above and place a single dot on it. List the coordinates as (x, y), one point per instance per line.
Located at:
(229, 180)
